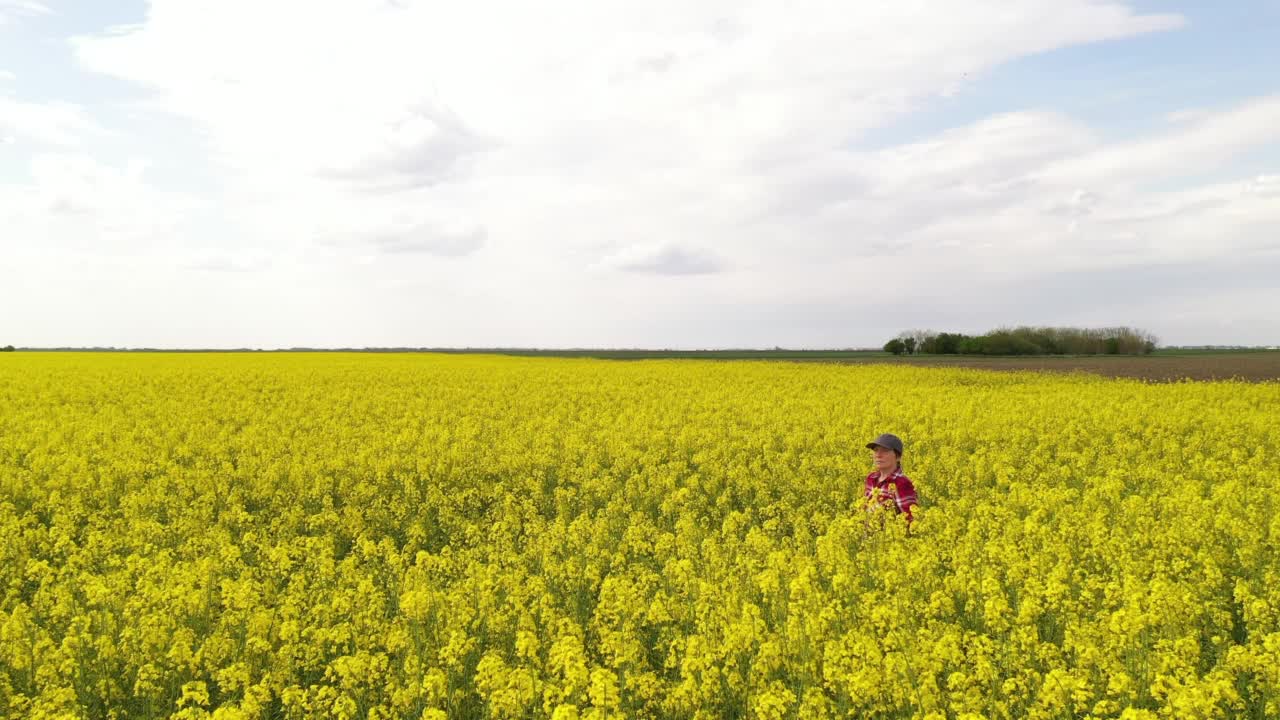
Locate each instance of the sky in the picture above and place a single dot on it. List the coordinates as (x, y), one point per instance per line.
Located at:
(667, 174)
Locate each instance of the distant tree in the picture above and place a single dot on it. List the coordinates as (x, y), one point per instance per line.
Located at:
(895, 346)
(1147, 341)
(7, 348)
(920, 337)
(1027, 340)
(915, 340)
(948, 343)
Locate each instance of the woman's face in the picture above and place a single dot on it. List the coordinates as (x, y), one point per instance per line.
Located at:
(884, 459)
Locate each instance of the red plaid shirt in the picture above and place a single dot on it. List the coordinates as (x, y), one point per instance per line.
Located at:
(896, 488)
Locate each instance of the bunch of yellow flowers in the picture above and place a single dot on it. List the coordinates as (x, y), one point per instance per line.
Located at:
(442, 536)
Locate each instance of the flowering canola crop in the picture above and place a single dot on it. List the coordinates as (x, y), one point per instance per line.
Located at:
(439, 536)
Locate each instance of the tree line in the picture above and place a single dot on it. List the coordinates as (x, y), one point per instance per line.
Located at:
(1027, 340)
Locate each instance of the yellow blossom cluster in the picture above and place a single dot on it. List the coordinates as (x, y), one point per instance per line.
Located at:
(352, 536)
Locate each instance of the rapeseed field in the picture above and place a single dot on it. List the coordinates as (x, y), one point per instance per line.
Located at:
(437, 536)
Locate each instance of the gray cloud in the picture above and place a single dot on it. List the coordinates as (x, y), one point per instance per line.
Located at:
(1080, 204)
(666, 259)
(430, 240)
(425, 147)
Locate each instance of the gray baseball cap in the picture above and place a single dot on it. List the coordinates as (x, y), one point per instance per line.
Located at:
(887, 440)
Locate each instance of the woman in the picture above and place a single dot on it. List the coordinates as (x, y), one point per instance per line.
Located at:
(886, 484)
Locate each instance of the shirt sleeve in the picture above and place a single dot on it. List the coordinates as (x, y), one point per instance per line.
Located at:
(906, 496)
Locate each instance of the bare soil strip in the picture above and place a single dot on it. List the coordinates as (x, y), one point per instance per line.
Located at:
(1251, 367)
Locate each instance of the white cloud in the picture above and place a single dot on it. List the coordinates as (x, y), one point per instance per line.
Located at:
(423, 238)
(1204, 143)
(57, 123)
(987, 202)
(665, 259)
(74, 202)
(1264, 186)
(218, 260)
(21, 8)
(1179, 116)
(418, 152)
(506, 109)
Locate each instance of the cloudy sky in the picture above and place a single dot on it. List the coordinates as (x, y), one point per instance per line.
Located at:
(591, 173)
